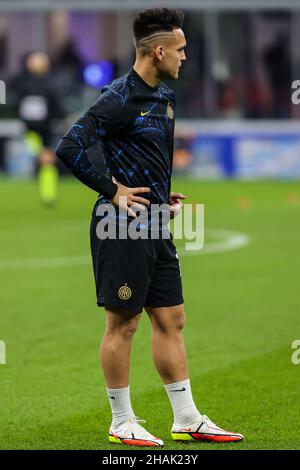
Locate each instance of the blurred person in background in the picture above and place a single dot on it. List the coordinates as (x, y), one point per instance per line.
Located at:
(67, 79)
(35, 103)
(3, 76)
(277, 61)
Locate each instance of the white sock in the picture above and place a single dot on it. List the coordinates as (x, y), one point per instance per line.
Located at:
(119, 399)
(183, 406)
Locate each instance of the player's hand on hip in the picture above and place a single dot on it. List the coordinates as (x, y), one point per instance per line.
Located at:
(128, 197)
(175, 204)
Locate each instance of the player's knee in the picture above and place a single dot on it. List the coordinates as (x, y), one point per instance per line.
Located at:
(130, 327)
(179, 320)
(124, 326)
(174, 322)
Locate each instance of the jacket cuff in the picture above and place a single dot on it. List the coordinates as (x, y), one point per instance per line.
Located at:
(108, 188)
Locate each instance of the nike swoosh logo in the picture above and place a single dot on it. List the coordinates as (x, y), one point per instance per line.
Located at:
(180, 390)
(144, 114)
(113, 398)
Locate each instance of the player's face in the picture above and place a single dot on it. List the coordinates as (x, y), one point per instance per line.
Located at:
(173, 56)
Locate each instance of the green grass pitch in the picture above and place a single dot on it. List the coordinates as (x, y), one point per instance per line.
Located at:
(242, 311)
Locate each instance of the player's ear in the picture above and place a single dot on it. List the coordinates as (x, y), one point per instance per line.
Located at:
(159, 52)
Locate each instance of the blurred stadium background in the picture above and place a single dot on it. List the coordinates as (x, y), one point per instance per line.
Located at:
(237, 150)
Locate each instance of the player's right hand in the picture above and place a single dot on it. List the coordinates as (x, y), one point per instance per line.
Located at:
(126, 197)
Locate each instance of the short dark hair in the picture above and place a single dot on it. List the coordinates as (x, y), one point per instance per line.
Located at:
(156, 20)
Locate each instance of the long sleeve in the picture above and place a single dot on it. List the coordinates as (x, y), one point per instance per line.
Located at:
(97, 123)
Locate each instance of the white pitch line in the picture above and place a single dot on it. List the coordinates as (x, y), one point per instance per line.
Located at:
(55, 262)
(228, 241)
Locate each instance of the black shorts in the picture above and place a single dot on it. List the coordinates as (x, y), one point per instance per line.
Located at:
(130, 274)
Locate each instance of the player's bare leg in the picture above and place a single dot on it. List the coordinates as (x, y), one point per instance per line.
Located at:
(168, 348)
(171, 362)
(115, 361)
(116, 347)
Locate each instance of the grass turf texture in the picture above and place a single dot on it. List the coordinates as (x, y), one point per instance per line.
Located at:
(242, 315)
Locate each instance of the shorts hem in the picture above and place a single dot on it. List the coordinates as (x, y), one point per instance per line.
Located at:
(164, 304)
(128, 308)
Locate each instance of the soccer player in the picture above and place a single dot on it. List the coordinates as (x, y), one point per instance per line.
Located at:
(133, 120)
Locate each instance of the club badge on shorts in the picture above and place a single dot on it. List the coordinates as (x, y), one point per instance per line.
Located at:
(124, 292)
(170, 111)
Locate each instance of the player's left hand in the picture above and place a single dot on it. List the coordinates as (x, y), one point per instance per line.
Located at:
(175, 205)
